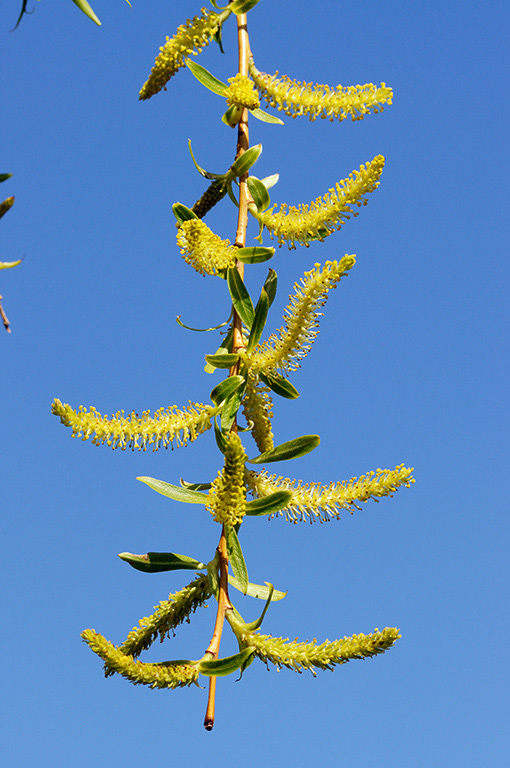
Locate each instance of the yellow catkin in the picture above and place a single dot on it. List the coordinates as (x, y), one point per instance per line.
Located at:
(296, 98)
(291, 343)
(168, 427)
(167, 674)
(314, 501)
(190, 38)
(320, 218)
(258, 409)
(226, 500)
(206, 252)
(241, 92)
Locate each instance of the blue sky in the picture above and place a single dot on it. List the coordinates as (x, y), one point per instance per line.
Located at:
(410, 367)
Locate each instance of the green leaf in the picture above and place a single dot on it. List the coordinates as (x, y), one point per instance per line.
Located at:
(5, 176)
(221, 440)
(222, 360)
(199, 330)
(230, 409)
(6, 205)
(242, 6)
(268, 505)
(245, 161)
(270, 285)
(225, 666)
(87, 10)
(241, 300)
(255, 254)
(195, 486)
(259, 193)
(236, 558)
(202, 171)
(183, 213)
(257, 590)
(212, 576)
(280, 385)
(270, 181)
(175, 492)
(253, 625)
(292, 449)
(226, 345)
(206, 78)
(225, 388)
(259, 321)
(156, 562)
(232, 116)
(266, 117)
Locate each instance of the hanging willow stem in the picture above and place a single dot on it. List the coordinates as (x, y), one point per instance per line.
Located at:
(242, 223)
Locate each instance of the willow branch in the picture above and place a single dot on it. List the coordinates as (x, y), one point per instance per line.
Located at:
(243, 144)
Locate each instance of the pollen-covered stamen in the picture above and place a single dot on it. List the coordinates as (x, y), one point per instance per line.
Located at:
(168, 427)
(226, 500)
(326, 214)
(258, 408)
(296, 98)
(206, 252)
(241, 92)
(190, 38)
(317, 502)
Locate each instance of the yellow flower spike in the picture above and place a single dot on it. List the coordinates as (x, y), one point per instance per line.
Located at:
(241, 92)
(316, 502)
(227, 498)
(167, 674)
(298, 656)
(190, 38)
(295, 98)
(206, 252)
(326, 214)
(168, 427)
(258, 408)
(285, 349)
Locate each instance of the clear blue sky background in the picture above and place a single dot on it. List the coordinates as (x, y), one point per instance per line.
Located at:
(410, 366)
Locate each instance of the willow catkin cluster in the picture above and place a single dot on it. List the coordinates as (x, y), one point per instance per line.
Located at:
(226, 500)
(168, 427)
(296, 98)
(206, 252)
(258, 409)
(320, 218)
(190, 38)
(314, 501)
(292, 342)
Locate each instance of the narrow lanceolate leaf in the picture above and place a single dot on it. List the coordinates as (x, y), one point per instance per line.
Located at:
(221, 667)
(255, 254)
(230, 408)
(155, 562)
(87, 10)
(259, 321)
(259, 193)
(4, 207)
(236, 558)
(253, 625)
(226, 346)
(270, 285)
(5, 176)
(195, 486)
(222, 361)
(241, 300)
(245, 161)
(175, 492)
(225, 388)
(259, 591)
(265, 117)
(206, 78)
(269, 505)
(292, 449)
(242, 6)
(280, 385)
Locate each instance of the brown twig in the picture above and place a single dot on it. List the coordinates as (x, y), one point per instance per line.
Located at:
(240, 240)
